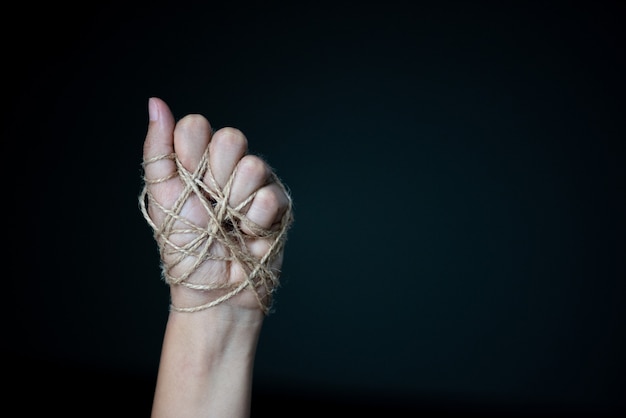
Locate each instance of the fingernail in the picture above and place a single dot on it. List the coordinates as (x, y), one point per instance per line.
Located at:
(153, 109)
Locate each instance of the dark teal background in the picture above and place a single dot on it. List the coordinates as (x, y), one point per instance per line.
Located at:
(458, 176)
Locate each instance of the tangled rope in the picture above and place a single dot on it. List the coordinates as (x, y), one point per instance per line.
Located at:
(223, 231)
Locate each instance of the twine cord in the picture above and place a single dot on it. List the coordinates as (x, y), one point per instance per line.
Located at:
(223, 231)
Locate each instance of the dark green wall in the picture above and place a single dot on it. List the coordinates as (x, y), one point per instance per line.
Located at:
(457, 172)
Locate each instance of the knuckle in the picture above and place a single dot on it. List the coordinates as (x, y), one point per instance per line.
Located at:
(267, 199)
(191, 122)
(253, 166)
(231, 136)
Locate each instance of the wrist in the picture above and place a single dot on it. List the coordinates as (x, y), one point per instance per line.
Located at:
(223, 327)
(204, 354)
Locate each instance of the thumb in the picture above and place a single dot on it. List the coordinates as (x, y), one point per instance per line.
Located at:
(159, 140)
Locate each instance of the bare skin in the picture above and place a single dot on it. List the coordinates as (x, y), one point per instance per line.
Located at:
(207, 357)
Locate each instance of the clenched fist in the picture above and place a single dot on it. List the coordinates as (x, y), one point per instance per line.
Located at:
(220, 215)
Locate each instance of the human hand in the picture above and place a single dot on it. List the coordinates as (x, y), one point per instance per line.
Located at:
(219, 215)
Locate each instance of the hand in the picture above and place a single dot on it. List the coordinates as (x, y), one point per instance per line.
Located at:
(219, 215)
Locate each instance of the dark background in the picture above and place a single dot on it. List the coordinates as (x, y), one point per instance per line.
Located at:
(458, 176)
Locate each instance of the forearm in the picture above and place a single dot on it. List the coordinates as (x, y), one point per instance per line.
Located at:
(206, 364)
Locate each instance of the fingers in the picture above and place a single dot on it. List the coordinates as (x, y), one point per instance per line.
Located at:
(267, 209)
(191, 137)
(227, 147)
(253, 175)
(250, 175)
(268, 206)
(159, 141)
